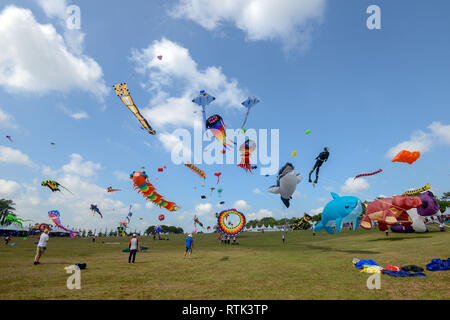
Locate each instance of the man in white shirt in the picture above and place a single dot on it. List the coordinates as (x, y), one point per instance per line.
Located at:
(133, 246)
(41, 247)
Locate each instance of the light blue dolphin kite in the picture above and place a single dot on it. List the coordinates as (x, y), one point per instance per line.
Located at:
(249, 103)
(339, 211)
(203, 100)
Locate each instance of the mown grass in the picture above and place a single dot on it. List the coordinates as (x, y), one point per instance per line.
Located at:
(261, 267)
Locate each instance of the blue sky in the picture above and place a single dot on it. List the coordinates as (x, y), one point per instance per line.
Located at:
(313, 64)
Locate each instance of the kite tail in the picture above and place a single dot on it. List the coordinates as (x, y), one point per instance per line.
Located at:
(220, 135)
(245, 119)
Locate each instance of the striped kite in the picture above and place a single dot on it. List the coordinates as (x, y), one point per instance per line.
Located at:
(197, 170)
(141, 182)
(416, 191)
(217, 126)
(368, 174)
(123, 93)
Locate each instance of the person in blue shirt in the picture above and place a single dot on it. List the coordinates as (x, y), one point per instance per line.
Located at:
(189, 245)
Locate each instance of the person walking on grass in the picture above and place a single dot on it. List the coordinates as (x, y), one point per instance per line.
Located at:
(41, 247)
(7, 239)
(133, 246)
(189, 245)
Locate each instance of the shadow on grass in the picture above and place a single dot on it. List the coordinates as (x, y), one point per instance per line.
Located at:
(224, 258)
(397, 238)
(329, 249)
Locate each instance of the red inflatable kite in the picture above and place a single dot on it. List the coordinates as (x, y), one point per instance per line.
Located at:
(406, 156)
(389, 211)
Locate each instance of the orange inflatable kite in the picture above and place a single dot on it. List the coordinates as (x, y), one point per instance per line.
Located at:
(406, 156)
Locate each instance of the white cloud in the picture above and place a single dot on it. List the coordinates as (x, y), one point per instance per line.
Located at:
(54, 8)
(257, 191)
(172, 142)
(440, 131)
(288, 20)
(423, 141)
(241, 205)
(9, 189)
(6, 120)
(178, 69)
(262, 213)
(355, 185)
(79, 167)
(75, 115)
(204, 209)
(52, 66)
(314, 212)
(10, 155)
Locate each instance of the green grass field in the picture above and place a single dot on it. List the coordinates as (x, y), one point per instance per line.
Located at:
(261, 267)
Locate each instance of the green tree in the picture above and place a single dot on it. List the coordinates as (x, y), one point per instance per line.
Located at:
(444, 202)
(6, 207)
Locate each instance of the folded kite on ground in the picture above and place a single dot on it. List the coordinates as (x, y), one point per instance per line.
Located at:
(438, 265)
(403, 273)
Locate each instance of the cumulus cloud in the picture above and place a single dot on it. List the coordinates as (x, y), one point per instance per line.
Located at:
(6, 120)
(173, 143)
(79, 176)
(288, 20)
(423, 141)
(178, 69)
(80, 167)
(241, 205)
(9, 189)
(52, 66)
(315, 212)
(204, 209)
(14, 156)
(355, 186)
(262, 213)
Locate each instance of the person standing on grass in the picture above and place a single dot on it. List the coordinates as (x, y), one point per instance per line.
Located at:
(189, 245)
(283, 237)
(133, 246)
(7, 239)
(41, 247)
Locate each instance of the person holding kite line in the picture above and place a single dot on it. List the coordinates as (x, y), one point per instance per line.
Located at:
(320, 159)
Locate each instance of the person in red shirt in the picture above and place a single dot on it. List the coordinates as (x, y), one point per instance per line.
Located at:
(133, 245)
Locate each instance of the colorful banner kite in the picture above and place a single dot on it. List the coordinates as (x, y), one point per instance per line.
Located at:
(55, 217)
(141, 182)
(123, 93)
(197, 170)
